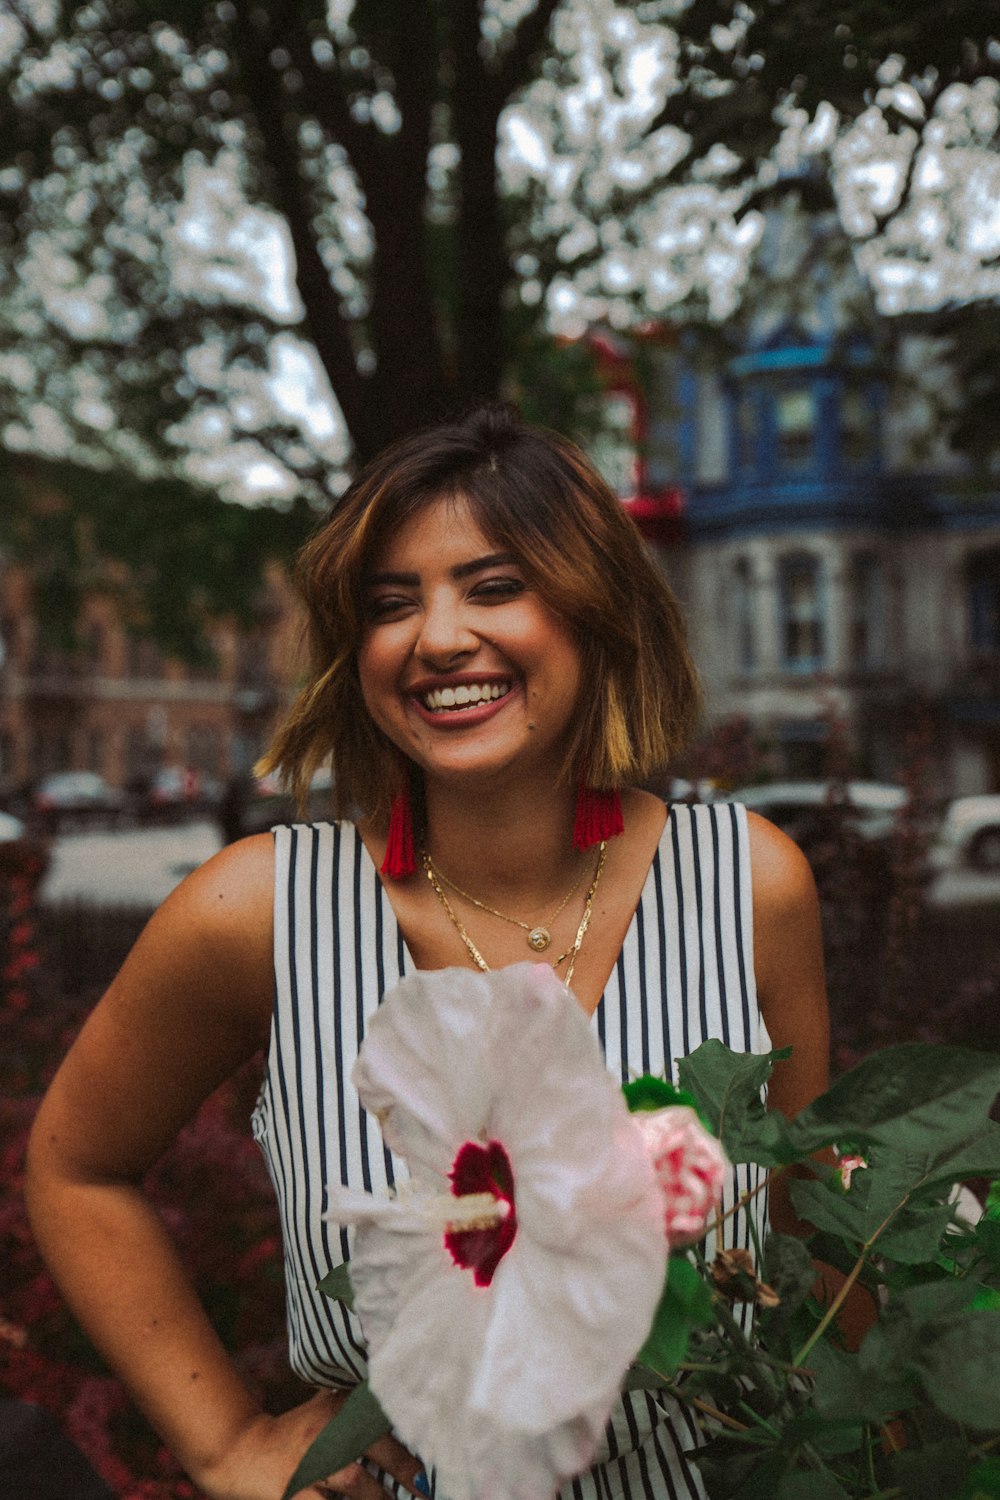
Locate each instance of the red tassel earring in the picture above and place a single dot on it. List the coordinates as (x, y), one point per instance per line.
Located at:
(598, 816)
(400, 856)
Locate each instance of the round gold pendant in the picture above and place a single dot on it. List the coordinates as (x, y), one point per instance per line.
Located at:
(539, 939)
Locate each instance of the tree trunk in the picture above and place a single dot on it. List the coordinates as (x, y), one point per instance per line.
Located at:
(481, 260)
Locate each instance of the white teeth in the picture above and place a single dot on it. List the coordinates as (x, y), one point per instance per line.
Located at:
(466, 693)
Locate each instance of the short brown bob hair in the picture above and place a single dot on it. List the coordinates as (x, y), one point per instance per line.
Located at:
(538, 497)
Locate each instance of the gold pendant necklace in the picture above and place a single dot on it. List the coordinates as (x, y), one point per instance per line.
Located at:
(539, 937)
(572, 952)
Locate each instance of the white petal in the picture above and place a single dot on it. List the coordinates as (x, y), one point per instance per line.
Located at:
(425, 1064)
(504, 1389)
(564, 1301)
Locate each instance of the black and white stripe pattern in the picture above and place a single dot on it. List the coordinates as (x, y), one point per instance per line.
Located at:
(685, 973)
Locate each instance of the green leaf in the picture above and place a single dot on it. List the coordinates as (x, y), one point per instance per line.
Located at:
(958, 1367)
(977, 1156)
(686, 1304)
(649, 1093)
(878, 1196)
(987, 1234)
(938, 1095)
(915, 1234)
(846, 1392)
(788, 1267)
(726, 1466)
(337, 1285)
(762, 1481)
(926, 1303)
(358, 1424)
(727, 1087)
(983, 1481)
(810, 1484)
(840, 1214)
(931, 1471)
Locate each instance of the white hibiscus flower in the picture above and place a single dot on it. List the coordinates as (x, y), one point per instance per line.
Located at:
(506, 1289)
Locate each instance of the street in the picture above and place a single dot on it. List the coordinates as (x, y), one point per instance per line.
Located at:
(135, 867)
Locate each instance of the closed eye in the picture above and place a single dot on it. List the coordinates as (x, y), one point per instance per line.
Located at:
(385, 606)
(497, 589)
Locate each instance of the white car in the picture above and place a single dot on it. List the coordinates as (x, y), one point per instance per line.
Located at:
(969, 835)
(800, 807)
(11, 828)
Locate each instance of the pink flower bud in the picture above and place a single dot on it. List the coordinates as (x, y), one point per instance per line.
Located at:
(690, 1166)
(847, 1166)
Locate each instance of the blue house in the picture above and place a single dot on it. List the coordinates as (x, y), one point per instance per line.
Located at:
(835, 558)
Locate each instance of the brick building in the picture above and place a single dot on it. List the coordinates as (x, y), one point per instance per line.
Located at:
(117, 705)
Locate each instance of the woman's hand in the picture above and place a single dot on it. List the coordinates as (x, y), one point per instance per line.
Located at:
(261, 1461)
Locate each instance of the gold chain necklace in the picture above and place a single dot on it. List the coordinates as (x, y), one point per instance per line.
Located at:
(539, 938)
(571, 953)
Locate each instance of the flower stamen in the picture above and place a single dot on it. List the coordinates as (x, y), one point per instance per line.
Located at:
(480, 1175)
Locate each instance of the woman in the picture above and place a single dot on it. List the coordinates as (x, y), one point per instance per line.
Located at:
(495, 663)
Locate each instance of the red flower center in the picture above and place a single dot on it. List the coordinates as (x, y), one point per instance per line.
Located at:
(482, 1169)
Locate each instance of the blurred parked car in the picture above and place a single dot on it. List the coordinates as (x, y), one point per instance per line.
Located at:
(175, 789)
(803, 809)
(76, 798)
(20, 853)
(969, 835)
(11, 828)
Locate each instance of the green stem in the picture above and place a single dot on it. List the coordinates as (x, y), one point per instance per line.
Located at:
(870, 1456)
(758, 1249)
(759, 1421)
(732, 1327)
(741, 1202)
(849, 1281)
(703, 1406)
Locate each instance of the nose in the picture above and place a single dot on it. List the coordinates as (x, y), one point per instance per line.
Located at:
(445, 632)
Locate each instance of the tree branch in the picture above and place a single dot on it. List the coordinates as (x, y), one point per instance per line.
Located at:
(328, 327)
(529, 37)
(413, 67)
(324, 96)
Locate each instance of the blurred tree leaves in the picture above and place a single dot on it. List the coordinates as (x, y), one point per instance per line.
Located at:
(363, 139)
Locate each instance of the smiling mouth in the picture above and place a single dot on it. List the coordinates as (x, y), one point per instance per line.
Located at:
(448, 699)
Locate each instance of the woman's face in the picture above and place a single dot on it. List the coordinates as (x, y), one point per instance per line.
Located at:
(462, 665)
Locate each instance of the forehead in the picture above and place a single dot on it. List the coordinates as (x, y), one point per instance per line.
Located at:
(444, 528)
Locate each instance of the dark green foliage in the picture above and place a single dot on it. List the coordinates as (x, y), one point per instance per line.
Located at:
(786, 1411)
(103, 106)
(929, 1363)
(173, 556)
(812, 51)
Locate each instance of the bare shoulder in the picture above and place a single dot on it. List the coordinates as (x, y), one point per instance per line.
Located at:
(782, 878)
(233, 892)
(219, 924)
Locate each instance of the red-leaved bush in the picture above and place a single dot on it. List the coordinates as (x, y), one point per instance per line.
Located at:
(213, 1192)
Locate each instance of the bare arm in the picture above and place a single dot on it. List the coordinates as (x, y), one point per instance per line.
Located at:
(191, 1003)
(788, 962)
(788, 958)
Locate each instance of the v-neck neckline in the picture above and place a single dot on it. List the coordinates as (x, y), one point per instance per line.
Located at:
(410, 965)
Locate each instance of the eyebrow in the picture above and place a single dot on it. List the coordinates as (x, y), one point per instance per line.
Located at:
(463, 570)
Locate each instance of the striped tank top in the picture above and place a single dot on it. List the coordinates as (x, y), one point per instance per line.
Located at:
(684, 974)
